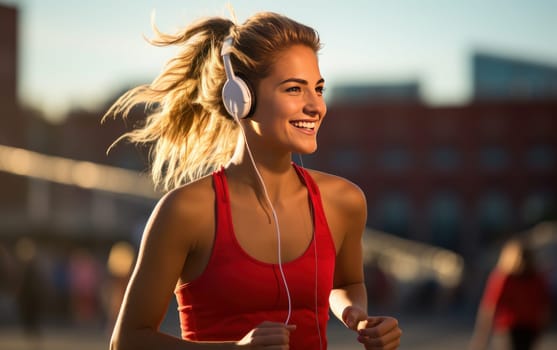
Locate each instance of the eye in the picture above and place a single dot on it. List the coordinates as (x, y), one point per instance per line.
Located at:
(293, 89)
(320, 90)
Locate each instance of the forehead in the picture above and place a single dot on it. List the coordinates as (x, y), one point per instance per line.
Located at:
(296, 61)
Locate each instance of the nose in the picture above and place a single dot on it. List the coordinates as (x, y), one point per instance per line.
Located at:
(315, 105)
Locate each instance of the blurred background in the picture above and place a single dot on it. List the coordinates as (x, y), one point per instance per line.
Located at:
(445, 114)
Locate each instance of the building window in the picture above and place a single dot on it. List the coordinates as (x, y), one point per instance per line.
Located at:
(444, 159)
(347, 160)
(494, 158)
(393, 213)
(541, 157)
(394, 160)
(537, 206)
(444, 218)
(495, 214)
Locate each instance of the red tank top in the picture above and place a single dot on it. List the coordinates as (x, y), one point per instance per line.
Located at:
(506, 294)
(237, 292)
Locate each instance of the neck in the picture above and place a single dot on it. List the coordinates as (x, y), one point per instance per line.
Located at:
(275, 171)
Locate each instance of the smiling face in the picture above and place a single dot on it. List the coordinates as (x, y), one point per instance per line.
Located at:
(290, 105)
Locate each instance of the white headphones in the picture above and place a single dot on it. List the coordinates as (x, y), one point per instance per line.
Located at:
(236, 94)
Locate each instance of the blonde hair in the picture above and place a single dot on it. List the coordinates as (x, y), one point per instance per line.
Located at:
(516, 257)
(187, 127)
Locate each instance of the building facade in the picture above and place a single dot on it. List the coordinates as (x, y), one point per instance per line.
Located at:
(457, 177)
(12, 125)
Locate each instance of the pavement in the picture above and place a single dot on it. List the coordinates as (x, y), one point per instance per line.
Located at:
(419, 334)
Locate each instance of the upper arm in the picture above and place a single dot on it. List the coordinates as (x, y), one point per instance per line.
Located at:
(170, 235)
(346, 210)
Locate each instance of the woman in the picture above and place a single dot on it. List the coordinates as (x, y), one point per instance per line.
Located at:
(255, 248)
(516, 301)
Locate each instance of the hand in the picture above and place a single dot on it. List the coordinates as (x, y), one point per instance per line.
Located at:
(381, 333)
(352, 315)
(268, 336)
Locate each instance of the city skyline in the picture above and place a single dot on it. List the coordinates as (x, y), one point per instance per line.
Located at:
(78, 55)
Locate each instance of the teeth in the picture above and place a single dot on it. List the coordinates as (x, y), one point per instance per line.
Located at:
(304, 125)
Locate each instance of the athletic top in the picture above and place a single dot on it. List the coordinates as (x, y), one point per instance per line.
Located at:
(519, 301)
(236, 292)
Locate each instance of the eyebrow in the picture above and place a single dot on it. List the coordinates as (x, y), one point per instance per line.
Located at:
(300, 81)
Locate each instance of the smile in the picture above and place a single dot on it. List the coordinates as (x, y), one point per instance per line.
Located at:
(303, 124)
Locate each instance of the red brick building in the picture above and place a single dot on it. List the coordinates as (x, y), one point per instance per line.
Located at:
(452, 176)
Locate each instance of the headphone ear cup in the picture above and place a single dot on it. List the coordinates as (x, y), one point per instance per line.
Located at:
(237, 97)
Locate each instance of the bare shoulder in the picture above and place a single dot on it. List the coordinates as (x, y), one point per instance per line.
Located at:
(340, 192)
(345, 207)
(187, 207)
(189, 197)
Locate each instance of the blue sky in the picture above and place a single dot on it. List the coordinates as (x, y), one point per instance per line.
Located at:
(77, 54)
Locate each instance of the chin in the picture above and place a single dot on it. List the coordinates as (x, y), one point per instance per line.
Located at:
(306, 150)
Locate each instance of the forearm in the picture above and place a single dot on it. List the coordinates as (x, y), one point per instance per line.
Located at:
(149, 339)
(482, 330)
(349, 295)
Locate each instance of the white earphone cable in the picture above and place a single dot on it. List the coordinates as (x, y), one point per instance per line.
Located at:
(275, 217)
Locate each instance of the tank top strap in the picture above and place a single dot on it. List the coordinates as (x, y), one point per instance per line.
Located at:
(223, 217)
(314, 194)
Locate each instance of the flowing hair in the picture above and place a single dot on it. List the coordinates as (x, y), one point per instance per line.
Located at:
(187, 128)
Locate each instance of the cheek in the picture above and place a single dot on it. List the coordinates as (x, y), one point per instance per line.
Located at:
(276, 111)
(287, 108)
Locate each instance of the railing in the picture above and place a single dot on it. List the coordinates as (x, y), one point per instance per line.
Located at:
(84, 174)
(411, 261)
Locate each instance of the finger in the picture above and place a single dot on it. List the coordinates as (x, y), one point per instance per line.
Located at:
(271, 339)
(370, 322)
(390, 340)
(351, 322)
(270, 324)
(352, 317)
(271, 331)
(387, 338)
(377, 326)
(378, 344)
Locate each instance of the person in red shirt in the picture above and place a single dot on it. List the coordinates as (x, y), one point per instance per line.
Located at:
(516, 301)
(256, 248)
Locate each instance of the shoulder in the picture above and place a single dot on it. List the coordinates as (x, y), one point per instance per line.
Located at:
(184, 197)
(344, 204)
(189, 206)
(339, 192)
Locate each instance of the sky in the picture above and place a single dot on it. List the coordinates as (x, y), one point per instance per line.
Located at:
(80, 54)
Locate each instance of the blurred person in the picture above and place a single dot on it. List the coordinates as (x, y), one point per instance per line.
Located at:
(382, 293)
(84, 273)
(255, 247)
(119, 266)
(60, 281)
(29, 296)
(8, 279)
(515, 307)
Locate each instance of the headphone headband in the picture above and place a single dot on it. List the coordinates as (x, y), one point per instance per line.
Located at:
(227, 45)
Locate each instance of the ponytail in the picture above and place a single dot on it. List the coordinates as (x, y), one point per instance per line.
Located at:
(187, 127)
